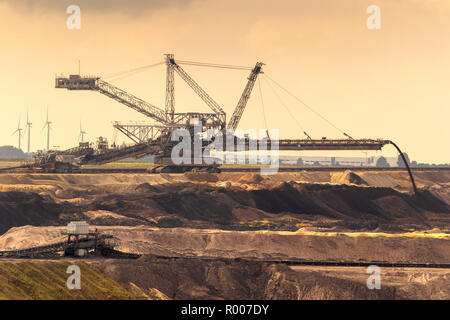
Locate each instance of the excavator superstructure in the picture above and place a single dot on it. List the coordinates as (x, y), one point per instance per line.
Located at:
(156, 139)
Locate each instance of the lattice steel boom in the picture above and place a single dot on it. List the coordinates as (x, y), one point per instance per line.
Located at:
(139, 133)
(170, 88)
(200, 92)
(76, 82)
(240, 107)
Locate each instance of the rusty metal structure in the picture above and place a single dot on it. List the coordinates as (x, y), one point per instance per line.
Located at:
(155, 139)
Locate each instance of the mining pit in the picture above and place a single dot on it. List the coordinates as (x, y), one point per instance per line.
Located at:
(216, 236)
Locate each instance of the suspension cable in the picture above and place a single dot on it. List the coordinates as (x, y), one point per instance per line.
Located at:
(286, 107)
(307, 106)
(130, 72)
(213, 65)
(263, 108)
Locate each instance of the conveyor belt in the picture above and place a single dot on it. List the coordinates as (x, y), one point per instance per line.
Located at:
(301, 262)
(112, 155)
(89, 243)
(51, 248)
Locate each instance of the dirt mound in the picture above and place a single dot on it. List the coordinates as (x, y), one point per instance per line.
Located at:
(251, 179)
(280, 206)
(347, 177)
(201, 176)
(232, 279)
(390, 179)
(239, 279)
(347, 203)
(146, 187)
(108, 218)
(29, 236)
(19, 209)
(190, 202)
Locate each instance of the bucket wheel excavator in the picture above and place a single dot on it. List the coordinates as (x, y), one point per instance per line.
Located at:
(156, 139)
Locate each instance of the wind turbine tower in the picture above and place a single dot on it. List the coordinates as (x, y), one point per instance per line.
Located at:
(29, 133)
(47, 124)
(19, 131)
(82, 133)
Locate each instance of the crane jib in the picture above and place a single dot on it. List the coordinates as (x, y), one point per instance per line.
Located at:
(240, 107)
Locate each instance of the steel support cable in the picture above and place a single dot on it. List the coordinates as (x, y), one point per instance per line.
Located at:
(132, 71)
(114, 74)
(129, 74)
(122, 77)
(263, 109)
(307, 106)
(201, 64)
(285, 106)
(212, 65)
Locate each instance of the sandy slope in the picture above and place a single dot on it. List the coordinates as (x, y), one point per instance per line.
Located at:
(231, 204)
(391, 179)
(232, 279)
(430, 247)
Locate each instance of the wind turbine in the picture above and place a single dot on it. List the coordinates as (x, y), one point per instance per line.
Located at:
(19, 130)
(82, 133)
(29, 132)
(47, 124)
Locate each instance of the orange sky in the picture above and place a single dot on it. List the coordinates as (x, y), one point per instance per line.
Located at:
(391, 83)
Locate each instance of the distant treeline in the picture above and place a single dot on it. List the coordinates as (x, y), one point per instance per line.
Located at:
(381, 162)
(10, 153)
(415, 164)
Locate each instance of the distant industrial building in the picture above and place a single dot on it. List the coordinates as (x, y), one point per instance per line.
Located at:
(335, 161)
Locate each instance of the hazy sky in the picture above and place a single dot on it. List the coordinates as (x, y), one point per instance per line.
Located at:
(390, 83)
